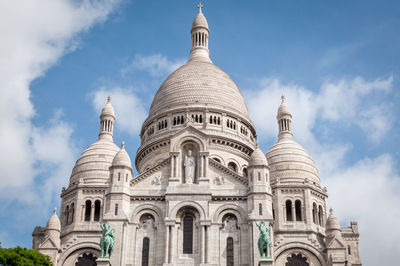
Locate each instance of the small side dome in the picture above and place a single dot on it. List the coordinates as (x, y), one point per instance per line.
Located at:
(122, 158)
(332, 228)
(258, 158)
(332, 222)
(108, 110)
(200, 20)
(54, 222)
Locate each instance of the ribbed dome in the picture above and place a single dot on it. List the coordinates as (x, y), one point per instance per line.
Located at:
(199, 83)
(122, 158)
(54, 222)
(200, 21)
(94, 163)
(258, 158)
(290, 162)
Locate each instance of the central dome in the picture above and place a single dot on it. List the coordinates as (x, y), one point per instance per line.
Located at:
(199, 83)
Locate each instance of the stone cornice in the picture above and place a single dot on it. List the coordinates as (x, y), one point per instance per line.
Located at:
(228, 171)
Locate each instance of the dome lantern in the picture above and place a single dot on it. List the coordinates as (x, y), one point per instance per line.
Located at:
(107, 118)
(200, 33)
(284, 118)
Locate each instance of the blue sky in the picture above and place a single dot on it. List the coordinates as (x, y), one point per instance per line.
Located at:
(338, 64)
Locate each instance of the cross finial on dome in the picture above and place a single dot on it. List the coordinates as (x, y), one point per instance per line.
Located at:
(200, 6)
(283, 97)
(55, 211)
(122, 145)
(330, 210)
(109, 98)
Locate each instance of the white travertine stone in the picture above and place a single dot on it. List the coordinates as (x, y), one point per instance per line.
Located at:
(198, 108)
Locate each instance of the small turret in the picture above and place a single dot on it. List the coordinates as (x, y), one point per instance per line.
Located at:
(333, 228)
(258, 172)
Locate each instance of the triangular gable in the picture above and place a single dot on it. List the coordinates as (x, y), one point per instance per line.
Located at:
(235, 176)
(335, 243)
(189, 131)
(149, 172)
(47, 243)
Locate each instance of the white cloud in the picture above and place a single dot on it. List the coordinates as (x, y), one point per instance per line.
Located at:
(366, 191)
(156, 65)
(36, 159)
(344, 102)
(129, 110)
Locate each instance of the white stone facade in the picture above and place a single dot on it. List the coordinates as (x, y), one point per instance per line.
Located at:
(202, 186)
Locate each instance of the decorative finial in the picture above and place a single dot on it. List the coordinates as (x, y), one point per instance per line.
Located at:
(55, 211)
(109, 98)
(283, 97)
(258, 145)
(200, 5)
(331, 211)
(123, 145)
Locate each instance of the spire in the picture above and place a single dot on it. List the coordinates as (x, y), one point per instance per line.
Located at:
(284, 118)
(107, 118)
(200, 33)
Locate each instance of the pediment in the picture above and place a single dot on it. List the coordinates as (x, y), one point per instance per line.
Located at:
(154, 177)
(335, 243)
(189, 133)
(221, 174)
(47, 243)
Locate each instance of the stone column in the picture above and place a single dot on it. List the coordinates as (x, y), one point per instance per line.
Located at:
(208, 244)
(82, 212)
(201, 166)
(203, 244)
(166, 253)
(174, 243)
(172, 165)
(92, 213)
(293, 211)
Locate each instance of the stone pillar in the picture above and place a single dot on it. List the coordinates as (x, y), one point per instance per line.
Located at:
(92, 213)
(203, 244)
(201, 166)
(172, 165)
(293, 211)
(82, 212)
(166, 253)
(174, 243)
(209, 244)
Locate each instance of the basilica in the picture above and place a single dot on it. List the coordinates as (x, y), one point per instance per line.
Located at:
(203, 186)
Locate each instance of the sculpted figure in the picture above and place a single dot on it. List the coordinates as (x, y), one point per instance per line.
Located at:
(107, 239)
(264, 241)
(190, 165)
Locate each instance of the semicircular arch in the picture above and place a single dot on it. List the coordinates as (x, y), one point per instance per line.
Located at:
(147, 208)
(229, 208)
(193, 204)
(296, 247)
(80, 246)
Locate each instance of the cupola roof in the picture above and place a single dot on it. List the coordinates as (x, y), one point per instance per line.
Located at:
(258, 158)
(200, 20)
(108, 109)
(283, 109)
(54, 222)
(122, 158)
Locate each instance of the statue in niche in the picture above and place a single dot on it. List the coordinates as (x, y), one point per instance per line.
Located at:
(190, 165)
(230, 223)
(147, 222)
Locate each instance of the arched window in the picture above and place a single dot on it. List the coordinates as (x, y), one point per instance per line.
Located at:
(145, 251)
(66, 213)
(218, 160)
(97, 210)
(260, 209)
(259, 176)
(245, 173)
(297, 260)
(119, 176)
(72, 213)
(116, 209)
(229, 252)
(289, 216)
(187, 235)
(88, 207)
(126, 178)
(348, 249)
(232, 166)
(320, 216)
(297, 205)
(314, 213)
(86, 260)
